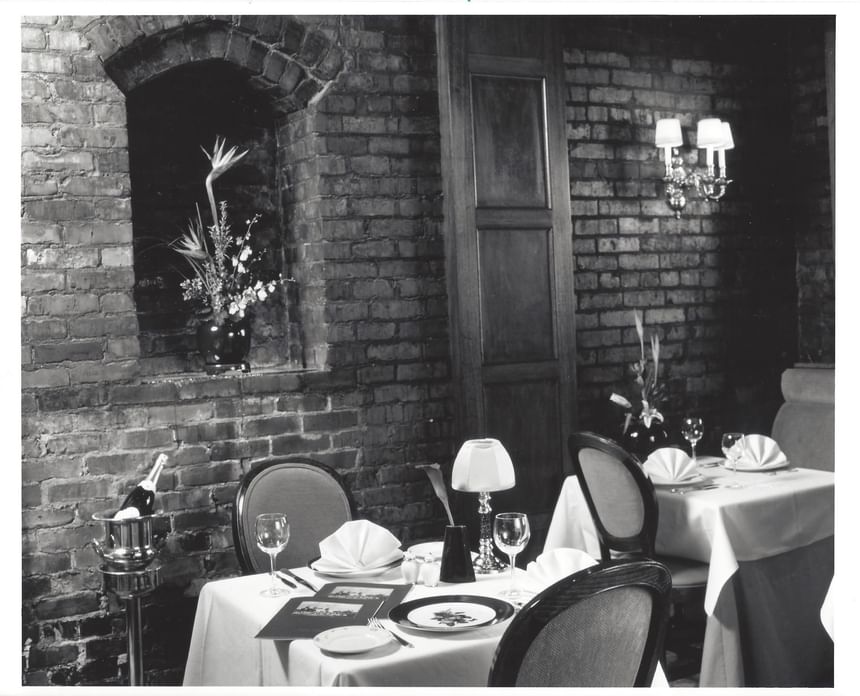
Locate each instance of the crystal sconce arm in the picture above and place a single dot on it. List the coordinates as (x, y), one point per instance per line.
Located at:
(715, 137)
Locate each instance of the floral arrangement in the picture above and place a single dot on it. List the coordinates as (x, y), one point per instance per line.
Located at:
(227, 276)
(649, 392)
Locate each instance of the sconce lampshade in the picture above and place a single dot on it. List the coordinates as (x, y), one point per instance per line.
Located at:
(709, 133)
(668, 133)
(482, 466)
(728, 142)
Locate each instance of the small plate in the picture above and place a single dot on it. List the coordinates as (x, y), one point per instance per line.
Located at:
(358, 572)
(753, 469)
(689, 481)
(349, 640)
(427, 547)
(706, 461)
(450, 613)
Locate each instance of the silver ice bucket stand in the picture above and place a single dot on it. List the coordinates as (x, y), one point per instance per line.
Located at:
(130, 570)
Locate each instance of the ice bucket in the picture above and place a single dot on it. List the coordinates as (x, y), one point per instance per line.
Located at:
(127, 544)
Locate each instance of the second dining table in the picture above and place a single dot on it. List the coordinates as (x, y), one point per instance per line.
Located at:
(768, 539)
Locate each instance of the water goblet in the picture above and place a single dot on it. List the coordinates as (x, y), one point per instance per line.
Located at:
(692, 428)
(511, 533)
(273, 532)
(733, 447)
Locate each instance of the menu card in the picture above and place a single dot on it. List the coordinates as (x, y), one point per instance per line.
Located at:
(334, 604)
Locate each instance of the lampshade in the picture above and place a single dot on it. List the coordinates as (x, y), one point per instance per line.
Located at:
(668, 133)
(709, 133)
(728, 142)
(482, 466)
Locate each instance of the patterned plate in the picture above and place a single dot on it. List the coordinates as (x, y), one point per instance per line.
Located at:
(450, 613)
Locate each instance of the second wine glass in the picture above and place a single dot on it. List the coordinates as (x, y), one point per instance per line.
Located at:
(272, 531)
(733, 447)
(511, 533)
(692, 428)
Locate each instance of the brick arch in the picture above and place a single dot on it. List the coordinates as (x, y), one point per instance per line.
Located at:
(280, 54)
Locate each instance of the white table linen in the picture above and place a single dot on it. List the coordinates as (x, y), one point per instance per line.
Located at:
(770, 514)
(230, 612)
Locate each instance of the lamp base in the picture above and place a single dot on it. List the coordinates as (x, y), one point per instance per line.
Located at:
(486, 562)
(487, 565)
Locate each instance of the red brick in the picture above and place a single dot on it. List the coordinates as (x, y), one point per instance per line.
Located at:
(208, 474)
(68, 605)
(70, 350)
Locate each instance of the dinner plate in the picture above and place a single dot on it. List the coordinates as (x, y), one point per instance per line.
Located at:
(689, 481)
(449, 613)
(348, 640)
(357, 572)
(753, 469)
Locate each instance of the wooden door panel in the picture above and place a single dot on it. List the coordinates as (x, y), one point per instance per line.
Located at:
(516, 300)
(500, 37)
(524, 417)
(509, 244)
(509, 137)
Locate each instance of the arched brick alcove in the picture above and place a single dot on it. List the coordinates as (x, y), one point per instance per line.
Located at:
(279, 53)
(188, 80)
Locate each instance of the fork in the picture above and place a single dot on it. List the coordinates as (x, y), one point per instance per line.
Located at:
(376, 625)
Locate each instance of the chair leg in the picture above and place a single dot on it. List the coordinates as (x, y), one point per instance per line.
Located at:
(684, 637)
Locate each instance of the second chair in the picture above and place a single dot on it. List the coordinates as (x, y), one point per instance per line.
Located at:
(623, 506)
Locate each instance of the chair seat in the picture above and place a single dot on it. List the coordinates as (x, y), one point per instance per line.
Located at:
(686, 574)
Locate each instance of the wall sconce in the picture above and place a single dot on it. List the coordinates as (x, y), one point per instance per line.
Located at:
(712, 134)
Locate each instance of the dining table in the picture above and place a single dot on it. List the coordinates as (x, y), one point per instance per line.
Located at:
(230, 612)
(768, 539)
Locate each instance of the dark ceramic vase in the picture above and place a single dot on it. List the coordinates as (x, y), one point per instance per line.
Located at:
(642, 440)
(224, 345)
(456, 558)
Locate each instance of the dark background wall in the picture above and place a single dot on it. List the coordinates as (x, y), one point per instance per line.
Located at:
(722, 285)
(738, 290)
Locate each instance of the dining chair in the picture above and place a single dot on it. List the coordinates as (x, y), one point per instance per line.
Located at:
(623, 505)
(602, 626)
(310, 493)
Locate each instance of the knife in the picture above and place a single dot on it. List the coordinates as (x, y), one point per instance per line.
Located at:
(284, 579)
(299, 579)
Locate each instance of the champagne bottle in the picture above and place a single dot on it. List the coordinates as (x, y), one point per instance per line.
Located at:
(140, 501)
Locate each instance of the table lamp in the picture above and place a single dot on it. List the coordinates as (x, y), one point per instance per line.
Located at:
(483, 466)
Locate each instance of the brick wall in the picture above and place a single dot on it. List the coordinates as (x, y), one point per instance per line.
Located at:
(718, 285)
(360, 188)
(811, 208)
(360, 192)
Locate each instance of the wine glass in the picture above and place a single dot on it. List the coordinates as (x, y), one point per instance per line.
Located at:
(511, 533)
(273, 532)
(692, 428)
(733, 447)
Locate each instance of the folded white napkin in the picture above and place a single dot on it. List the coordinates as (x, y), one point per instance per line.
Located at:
(356, 545)
(761, 451)
(669, 464)
(552, 566)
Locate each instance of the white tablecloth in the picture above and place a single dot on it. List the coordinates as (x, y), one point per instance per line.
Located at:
(770, 514)
(230, 612)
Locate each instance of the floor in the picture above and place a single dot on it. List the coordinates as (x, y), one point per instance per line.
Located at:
(682, 673)
(684, 651)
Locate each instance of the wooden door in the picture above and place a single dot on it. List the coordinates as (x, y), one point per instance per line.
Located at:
(509, 246)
